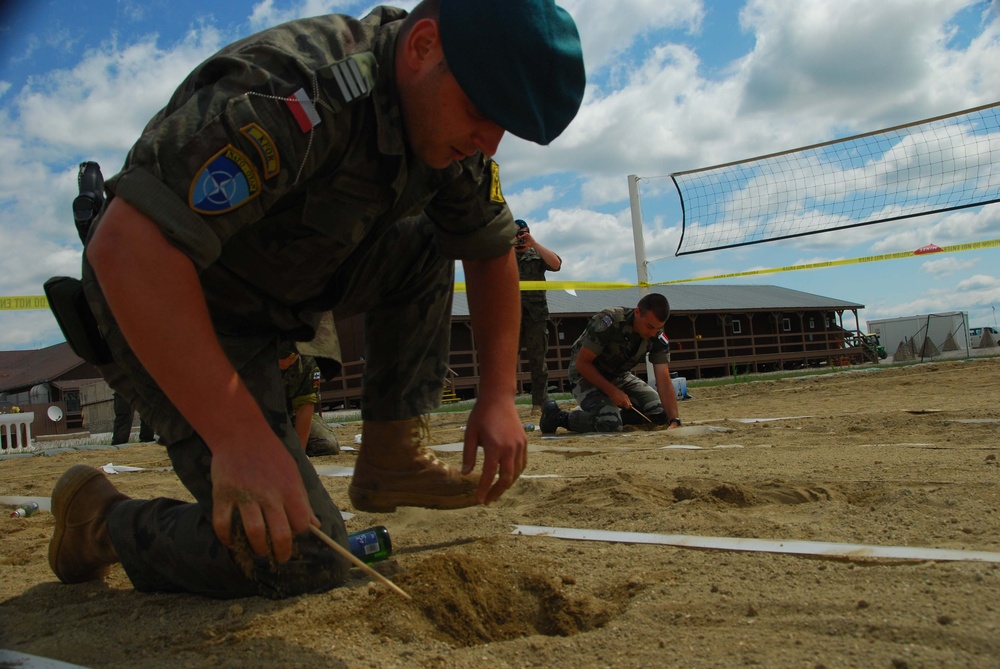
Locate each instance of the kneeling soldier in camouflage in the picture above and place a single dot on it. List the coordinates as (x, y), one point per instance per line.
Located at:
(324, 165)
(601, 362)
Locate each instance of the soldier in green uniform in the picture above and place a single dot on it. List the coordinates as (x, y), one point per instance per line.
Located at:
(533, 260)
(600, 369)
(301, 377)
(283, 180)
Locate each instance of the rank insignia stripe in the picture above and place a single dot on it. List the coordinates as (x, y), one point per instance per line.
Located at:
(496, 194)
(226, 181)
(266, 148)
(349, 79)
(303, 110)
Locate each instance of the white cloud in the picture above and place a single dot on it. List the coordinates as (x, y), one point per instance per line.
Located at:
(525, 203)
(943, 267)
(656, 103)
(979, 282)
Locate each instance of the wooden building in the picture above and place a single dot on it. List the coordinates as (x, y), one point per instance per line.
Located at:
(714, 331)
(35, 381)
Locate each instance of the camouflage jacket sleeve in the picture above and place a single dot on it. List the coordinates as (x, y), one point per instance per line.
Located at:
(248, 128)
(470, 214)
(659, 349)
(599, 332)
(302, 379)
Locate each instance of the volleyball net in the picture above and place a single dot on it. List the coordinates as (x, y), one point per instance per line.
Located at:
(935, 165)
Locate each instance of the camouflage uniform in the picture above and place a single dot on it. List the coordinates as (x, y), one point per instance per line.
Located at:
(619, 349)
(250, 185)
(301, 380)
(534, 323)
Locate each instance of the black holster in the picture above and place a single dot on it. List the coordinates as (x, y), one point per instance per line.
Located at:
(69, 305)
(88, 203)
(66, 297)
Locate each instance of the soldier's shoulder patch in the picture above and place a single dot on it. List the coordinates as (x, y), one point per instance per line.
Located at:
(349, 80)
(266, 149)
(496, 194)
(603, 321)
(226, 181)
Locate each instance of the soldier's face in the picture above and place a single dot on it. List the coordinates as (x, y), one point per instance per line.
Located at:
(646, 325)
(442, 125)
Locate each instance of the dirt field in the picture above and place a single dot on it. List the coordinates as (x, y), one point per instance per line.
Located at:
(888, 457)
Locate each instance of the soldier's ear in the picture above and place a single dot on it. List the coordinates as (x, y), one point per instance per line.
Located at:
(421, 48)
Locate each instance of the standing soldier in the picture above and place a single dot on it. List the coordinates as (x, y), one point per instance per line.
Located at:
(533, 260)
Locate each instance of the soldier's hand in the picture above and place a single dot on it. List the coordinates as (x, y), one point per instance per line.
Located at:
(620, 399)
(263, 483)
(496, 427)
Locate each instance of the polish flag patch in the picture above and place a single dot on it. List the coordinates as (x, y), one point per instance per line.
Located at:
(303, 110)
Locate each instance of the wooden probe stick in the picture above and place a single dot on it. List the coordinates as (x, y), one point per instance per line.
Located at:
(642, 414)
(356, 562)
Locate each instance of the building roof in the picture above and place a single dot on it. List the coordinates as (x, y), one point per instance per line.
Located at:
(684, 299)
(24, 369)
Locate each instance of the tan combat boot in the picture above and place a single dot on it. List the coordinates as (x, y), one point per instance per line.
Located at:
(81, 549)
(394, 468)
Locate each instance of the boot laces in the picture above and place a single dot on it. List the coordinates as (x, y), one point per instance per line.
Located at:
(421, 436)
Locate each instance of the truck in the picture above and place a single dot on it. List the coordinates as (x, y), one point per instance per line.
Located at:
(924, 335)
(976, 335)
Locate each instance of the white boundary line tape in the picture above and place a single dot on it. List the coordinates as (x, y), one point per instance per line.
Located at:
(793, 547)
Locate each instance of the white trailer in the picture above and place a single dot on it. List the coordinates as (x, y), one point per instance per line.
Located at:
(947, 331)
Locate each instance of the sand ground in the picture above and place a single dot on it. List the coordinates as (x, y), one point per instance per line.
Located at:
(901, 456)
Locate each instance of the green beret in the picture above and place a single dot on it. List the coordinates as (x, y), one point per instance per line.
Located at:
(519, 61)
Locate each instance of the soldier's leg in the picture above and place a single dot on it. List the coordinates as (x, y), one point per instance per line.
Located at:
(146, 432)
(169, 545)
(122, 429)
(322, 440)
(407, 307)
(536, 344)
(643, 398)
(596, 412)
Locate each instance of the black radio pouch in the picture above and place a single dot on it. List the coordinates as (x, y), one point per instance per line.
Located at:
(69, 305)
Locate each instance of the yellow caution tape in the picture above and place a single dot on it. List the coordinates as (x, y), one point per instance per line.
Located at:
(40, 302)
(930, 249)
(23, 302)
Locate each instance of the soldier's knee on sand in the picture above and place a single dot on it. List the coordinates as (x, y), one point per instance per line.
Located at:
(608, 423)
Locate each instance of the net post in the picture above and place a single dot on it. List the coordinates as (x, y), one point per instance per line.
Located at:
(641, 266)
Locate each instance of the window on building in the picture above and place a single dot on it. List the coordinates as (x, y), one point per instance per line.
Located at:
(786, 324)
(737, 328)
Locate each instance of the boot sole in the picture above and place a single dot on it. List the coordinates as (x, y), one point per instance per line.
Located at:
(63, 494)
(374, 501)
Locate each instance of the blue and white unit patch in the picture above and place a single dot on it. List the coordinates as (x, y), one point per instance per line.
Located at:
(227, 181)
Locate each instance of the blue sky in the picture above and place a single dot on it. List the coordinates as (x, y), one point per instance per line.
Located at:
(673, 85)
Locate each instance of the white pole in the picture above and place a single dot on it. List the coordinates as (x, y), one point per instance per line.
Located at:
(641, 268)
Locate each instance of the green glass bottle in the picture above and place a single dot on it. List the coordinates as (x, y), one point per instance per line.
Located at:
(371, 545)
